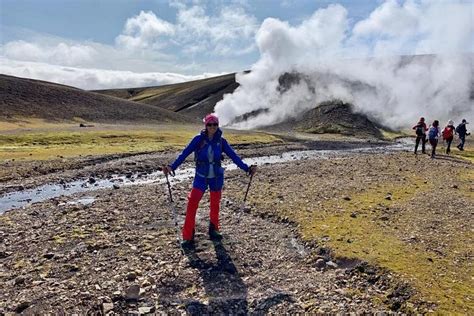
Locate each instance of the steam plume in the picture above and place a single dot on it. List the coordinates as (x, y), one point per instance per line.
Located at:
(404, 61)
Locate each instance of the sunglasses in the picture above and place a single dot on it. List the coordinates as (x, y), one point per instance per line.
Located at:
(212, 124)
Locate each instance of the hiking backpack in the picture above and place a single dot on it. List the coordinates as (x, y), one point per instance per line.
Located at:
(447, 132)
(203, 143)
(419, 130)
(433, 133)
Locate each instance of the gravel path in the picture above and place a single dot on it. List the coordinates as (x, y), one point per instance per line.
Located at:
(118, 254)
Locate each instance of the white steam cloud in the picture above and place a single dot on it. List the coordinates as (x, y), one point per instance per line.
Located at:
(325, 58)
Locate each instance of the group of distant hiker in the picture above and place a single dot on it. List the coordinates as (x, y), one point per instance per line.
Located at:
(434, 133)
(209, 146)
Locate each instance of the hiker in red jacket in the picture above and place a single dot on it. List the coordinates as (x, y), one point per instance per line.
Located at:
(448, 135)
(420, 130)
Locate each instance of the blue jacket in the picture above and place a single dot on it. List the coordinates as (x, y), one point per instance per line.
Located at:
(433, 132)
(199, 145)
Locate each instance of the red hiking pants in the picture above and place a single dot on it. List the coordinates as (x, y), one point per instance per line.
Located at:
(193, 202)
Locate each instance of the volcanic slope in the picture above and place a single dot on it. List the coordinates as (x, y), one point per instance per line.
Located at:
(331, 117)
(336, 117)
(194, 98)
(27, 98)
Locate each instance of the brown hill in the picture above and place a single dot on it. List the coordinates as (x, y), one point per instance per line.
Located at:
(20, 97)
(194, 98)
(335, 117)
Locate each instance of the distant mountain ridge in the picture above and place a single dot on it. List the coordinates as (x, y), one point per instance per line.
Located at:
(20, 98)
(193, 98)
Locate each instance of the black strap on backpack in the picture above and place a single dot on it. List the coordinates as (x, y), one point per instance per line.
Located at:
(203, 143)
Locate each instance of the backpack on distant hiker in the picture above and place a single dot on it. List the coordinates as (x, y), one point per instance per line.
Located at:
(433, 133)
(447, 132)
(419, 130)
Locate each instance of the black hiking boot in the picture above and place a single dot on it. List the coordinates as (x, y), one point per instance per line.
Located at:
(187, 245)
(214, 234)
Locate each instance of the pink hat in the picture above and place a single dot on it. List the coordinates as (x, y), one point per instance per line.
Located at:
(211, 118)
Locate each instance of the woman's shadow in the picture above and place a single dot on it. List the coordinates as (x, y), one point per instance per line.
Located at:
(224, 287)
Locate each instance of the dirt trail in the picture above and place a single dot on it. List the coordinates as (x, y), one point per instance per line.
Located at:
(61, 257)
(119, 254)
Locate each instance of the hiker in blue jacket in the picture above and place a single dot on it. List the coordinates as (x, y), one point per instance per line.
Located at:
(208, 148)
(461, 130)
(433, 135)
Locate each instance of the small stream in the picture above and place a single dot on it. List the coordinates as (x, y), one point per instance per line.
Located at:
(18, 199)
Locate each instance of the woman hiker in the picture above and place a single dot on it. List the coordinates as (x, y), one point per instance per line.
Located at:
(448, 135)
(420, 130)
(208, 148)
(433, 135)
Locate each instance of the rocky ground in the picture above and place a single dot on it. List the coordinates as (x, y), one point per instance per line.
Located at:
(295, 249)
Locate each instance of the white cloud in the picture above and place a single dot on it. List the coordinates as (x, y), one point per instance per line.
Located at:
(197, 42)
(89, 78)
(60, 53)
(145, 31)
(230, 32)
(417, 27)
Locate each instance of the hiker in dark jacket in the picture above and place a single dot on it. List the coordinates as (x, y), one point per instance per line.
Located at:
(208, 148)
(433, 135)
(420, 130)
(448, 135)
(461, 130)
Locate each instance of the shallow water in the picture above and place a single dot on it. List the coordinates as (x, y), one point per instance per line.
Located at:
(23, 198)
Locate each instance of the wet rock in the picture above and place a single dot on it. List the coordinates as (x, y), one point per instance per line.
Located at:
(117, 296)
(146, 310)
(132, 293)
(92, 180)
(331, 265)
(20, 280)
(131, 276)
(20, 307)
(107, 307)
(320, 263)
(48, 255)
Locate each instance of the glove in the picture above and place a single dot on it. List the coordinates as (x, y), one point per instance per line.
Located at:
(167, 170)
(252, 170)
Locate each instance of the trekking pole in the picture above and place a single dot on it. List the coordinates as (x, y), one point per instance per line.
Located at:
(173, 209)
(245, 199)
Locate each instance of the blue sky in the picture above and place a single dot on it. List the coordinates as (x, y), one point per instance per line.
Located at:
(105, 43)
(102, 20)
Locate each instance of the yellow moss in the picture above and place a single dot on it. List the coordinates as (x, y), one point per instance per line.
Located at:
(59, 239)
(79, 233)
(466, 154)
(377, 245)
(5, 220)
(364, 236)
(389, 135)
(64, 144)
(20, 264)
